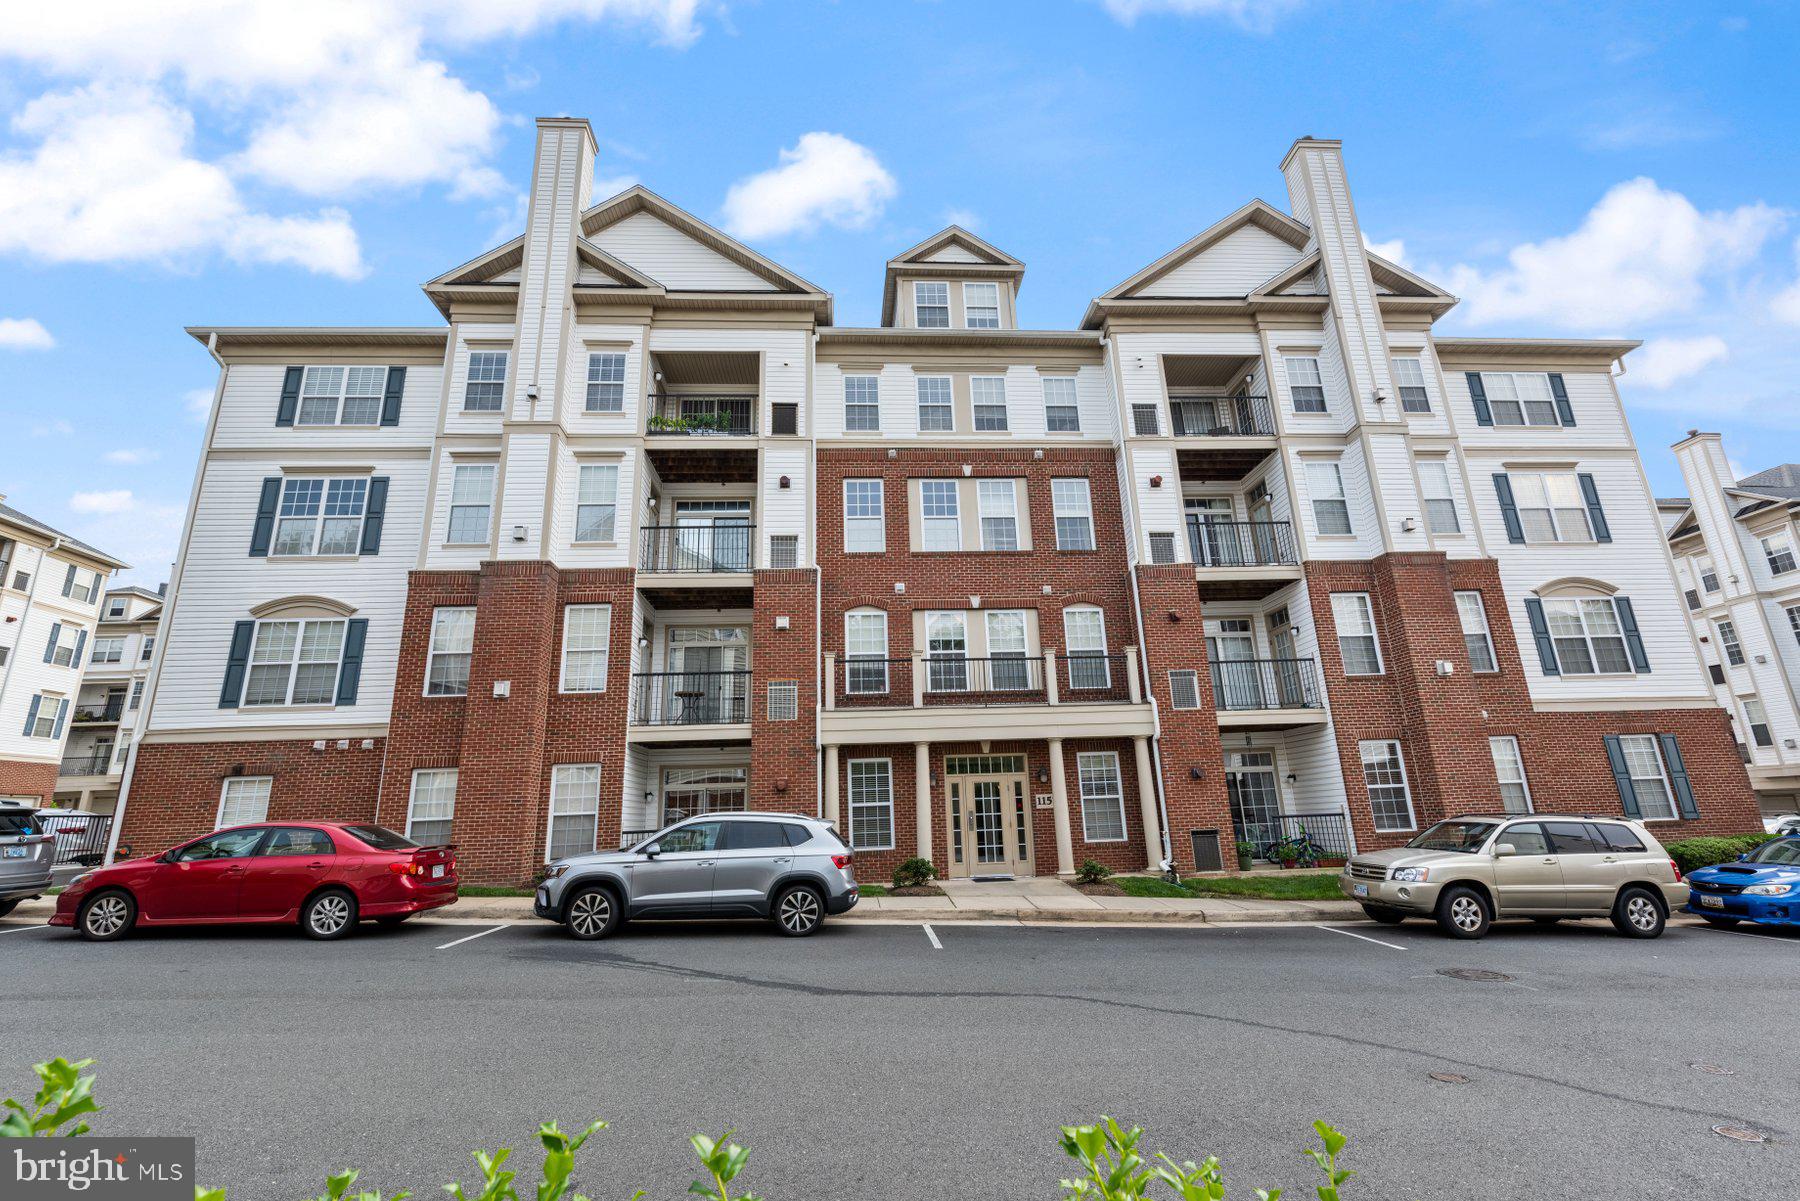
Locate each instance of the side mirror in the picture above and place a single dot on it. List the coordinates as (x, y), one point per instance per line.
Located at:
(1744, 857)
(653, 850)
(1502, 850)
(166, 857)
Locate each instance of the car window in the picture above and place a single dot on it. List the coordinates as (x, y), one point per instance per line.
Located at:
(1785, 852)
(1463, 836)
(1619, 838)
(292, 840)
(1527, 839)
(18, 825)
(798, 835)
(226, 844)
(701, 836)
(755, 836)
(381, 838)
(1575, 838)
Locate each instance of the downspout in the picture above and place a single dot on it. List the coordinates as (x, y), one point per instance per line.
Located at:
(1162, 798)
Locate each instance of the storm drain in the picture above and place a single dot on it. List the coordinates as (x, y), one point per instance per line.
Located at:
(1449, 1078)
(1474, 973)
(1712, 1069)
(1741, 1134)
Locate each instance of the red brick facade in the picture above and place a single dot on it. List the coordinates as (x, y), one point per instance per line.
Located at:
(20, 778)
(784, 757)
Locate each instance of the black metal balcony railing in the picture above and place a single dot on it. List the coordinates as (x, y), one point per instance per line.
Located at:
(1000, 680)
(1241, 543)
(1222, 417)
(1277, 837)
(86, 765)
(876, 682)
(1086, 676)
(110, 711)
(1265, 684)
(701, 416)
(690, 698)
(80, 837)
(698, 548)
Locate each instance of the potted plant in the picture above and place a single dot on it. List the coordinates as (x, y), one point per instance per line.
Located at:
(1246, 852)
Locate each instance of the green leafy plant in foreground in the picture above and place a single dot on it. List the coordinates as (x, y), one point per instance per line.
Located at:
(65, 1093)
(1116, 1171)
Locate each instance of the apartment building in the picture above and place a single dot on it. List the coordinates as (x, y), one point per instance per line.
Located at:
(641, 532)
(50, 599)
(1734, 546)
(106, 717)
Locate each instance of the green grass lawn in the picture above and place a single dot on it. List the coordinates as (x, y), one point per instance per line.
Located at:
(1149, 886)
(1283, 886)
(872, 890)
(490, 890)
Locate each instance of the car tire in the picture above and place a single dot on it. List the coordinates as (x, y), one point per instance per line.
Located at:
(106, 916)
(391, 920)
(1723, 923)
(328, 915)
(1462, 913)
(592, 913)
(7, 907)
(798, 911)
(1384, 915)
(1638, 913)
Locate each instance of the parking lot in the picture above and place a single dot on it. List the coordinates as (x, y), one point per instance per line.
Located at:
(942, 1058)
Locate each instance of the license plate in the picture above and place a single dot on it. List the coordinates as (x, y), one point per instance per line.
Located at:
(16, 852)
(437, 871)
(1360, 890)
(1707, 902)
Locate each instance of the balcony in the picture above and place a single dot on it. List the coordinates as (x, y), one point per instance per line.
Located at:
(679, 704)
(1241, 560)
(87, 765)
(701, 415)
(103, 714)
(701, 550)
(1267, 693)
(1221, 417)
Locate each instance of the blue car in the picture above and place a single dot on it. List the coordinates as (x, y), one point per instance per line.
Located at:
(1763, 886)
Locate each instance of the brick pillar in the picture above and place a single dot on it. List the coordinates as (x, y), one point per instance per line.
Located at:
(1176, 634)
(784, 756)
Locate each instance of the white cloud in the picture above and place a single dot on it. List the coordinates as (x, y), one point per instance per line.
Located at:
(1258, 15)
(117, 501)
(1393, 251)
(1786, 305)
(825, 179)
(1665, 361)
(51, 429)
(198, 403)
(131, 456)
(24, 333)
(1641, 253)
(608, 186)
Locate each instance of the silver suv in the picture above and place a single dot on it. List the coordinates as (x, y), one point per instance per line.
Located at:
(1470, 870)
(27, 856)
(794, 870)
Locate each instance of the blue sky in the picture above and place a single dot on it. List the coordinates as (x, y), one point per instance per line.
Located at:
(1568, 169)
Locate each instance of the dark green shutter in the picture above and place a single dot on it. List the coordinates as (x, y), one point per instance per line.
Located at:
(1615, 757)
(356, 631)
(50, 646)
(290, 396)
(1509, 510)
(1540, 632)
(1596, 515)
(1478, 394)
(31, 713)
(373, 515)
(263, 532)
(1565, 412)
(1640, 662)
(236, 664)
(390, 401)
(1678, 777)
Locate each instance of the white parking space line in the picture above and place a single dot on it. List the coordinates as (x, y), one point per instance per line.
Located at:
(1351, 934)
(932, 935)
(471, 937)
(1792, 942)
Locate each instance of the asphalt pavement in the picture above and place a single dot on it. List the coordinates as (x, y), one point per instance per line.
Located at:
(881, 1061)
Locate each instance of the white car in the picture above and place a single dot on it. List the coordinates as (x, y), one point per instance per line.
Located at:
(1782, 823)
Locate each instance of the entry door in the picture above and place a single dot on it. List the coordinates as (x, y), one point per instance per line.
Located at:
(1233, 648)
(1211, 539)
(702, 666)
(713, 535)
(1255, 802)
(989, 825)
(1286, 667)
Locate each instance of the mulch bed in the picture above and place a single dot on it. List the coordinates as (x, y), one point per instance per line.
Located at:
(1104, 888)
(916, 890)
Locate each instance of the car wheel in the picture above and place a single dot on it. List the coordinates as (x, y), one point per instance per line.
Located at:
(1638, 914)
(1384, 915)
(107, 916)
(392, 920)
(592, 913)
(1461, 913)
(7, 907)
(799, 911)
(1723, 923)
(328, 915)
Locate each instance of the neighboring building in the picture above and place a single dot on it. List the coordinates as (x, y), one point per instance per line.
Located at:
(50, 588)
(639, 533)
(108, 710)
(1735, 547)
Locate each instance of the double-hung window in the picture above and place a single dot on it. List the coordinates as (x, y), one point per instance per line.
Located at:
(1305, 385)
(431, 811)
(1588, 636)
(107, 650)
(947, 652)
(606, 382)
(596, 502)
(1354, 617)
(864, 520)
(137, 695)
(574, 809)
(1440, 503)
(1084, 642)
(294, 663)
(1757, 718)
(1009, 664)
(1102, 797)
(1728, 640)
(1793, 616)
(1778, 549)
(862, 403)
(871, 805)
(320, 516)
(149, 648)
(866, 652)
(988, 393)
(471, 503)
(485, 388)
(43, 718)
(1509, 770)
(1649, 780)
(931, 305)
(341, 396)
(940, 520)
(63, 642)
(1071, 502)
(1409, 377)
(1384, 774)
(1477, 640)
(1551, 506)
(1062, 413)
(936, 415)
(244, 800)
(1520, 399)
(998, 503)
(1331, 509)
(981, 306)
(447, 660)
(587, 636)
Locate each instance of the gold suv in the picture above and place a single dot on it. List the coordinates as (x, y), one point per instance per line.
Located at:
(1469, 871)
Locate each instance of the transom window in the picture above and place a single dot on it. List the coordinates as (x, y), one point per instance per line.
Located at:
(485, 389)
(1062, 414)
(341, 396)
(1409, 377)
(1472, 614)
(431, 811)
(1509, 770)
(936, 415)
(1520, 398)
(1305, 385)
(1649, 780)
(1551, 506)
(471, 503)
(1588, 636)
(862, 402)
(1778, 549)
(452, 643)
(320, 516)
(866, 649)
(940, 517)
(931, 305)
(998, 502)
(981, 306)
(1354, 617)
(1071, 501)
(1331, 509)
(294, 663)
(864, 519)
(596, 502)
(871, 804)
(606, 382)
(1440, 504)
(988, 392)
(587, 637)
(574, 809)
(1384, 774)
(1102, 797)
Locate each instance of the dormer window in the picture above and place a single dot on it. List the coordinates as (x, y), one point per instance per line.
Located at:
(932, 305)
(981, 306)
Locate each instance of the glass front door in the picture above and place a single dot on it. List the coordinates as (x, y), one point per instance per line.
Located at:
(989, 825)
(712, 535)
(1255, 803)
(1232, 647)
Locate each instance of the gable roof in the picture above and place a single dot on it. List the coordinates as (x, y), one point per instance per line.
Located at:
(1258, 213)
(1783, 480)
(985, 251)
(984, 261)
(639, 199)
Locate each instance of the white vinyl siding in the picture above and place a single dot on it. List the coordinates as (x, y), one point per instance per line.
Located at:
(587, 639)
(452, 643)
(1354, 617)
(1102, 797)
(865, 522)
(574, 809)
(871, 805)
(244, 800)
(431, 810)
(1384, 774)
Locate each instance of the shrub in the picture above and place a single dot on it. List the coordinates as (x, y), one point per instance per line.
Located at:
(1691, 853)
(914, 872)
(1092, 872)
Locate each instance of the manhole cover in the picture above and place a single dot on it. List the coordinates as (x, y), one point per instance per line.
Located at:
(1472, 973)
(1742, 1134)
(1449, 1078)
(1712, 1069)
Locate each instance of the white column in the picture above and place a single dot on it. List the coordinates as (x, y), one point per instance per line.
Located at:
(1059, 799)
(1050, 676)
(831, 679)
(1133, 689)
(922, 791)
(831, 786)
(1147, 802)
(918, 675)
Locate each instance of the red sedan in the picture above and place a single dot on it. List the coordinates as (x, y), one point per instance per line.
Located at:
(325, 875)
